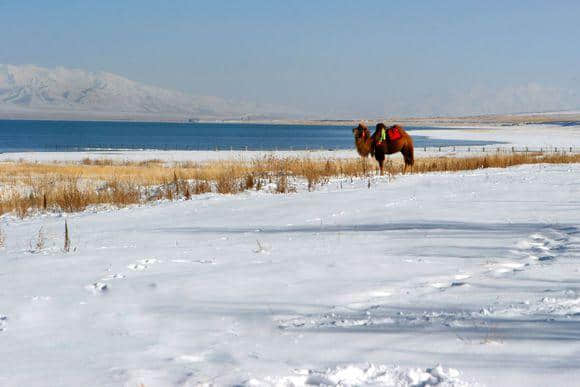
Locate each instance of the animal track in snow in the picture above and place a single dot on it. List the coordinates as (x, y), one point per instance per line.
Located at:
(363, 375)
(447, 285)
(545, 246)
(112, 277)
(137, 267)
(377, 317)
(541, 247)
(98, 287)
(200, 261)
(148, 261)
(505, 267)
(143, 264)
(456, 280)
(561, 304)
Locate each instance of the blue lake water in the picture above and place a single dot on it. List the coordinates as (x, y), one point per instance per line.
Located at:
(23, 135)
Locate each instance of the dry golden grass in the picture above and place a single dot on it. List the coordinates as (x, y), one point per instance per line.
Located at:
(496, 160)
(29, 187)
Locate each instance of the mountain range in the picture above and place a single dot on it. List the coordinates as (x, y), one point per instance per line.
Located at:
(35, 92)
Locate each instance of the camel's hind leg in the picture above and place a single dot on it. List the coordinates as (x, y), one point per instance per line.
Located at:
(409, 157)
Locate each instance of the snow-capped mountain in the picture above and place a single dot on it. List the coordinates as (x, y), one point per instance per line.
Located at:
(37, 92)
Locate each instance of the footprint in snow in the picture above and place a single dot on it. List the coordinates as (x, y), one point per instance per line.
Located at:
(457, 281)
(506, 267)
(447, 285)
(440, 285)
(538, 248)
(98, 287)
(137, 267)
(545, 246)
(112, 277)
(201, 261)
(143, 264)
(148, 261)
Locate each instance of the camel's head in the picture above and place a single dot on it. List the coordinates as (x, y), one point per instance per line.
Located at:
(361, 132)
(381, 126)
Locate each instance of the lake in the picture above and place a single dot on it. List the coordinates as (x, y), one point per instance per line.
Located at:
(25, 135)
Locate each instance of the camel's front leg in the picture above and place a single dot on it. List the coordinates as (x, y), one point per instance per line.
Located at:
(380, 157)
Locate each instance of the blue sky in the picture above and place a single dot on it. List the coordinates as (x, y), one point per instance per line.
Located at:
(331, 58)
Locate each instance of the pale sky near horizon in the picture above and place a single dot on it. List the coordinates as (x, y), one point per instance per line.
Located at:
(335, 59)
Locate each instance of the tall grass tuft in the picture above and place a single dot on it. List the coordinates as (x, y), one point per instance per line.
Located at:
(38, 245)
(66, 247)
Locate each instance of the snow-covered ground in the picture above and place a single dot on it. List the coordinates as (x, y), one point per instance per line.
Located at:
(170, 156)
(475, 271)
(536, 136)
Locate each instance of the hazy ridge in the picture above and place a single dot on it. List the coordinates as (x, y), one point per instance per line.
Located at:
(30, 91)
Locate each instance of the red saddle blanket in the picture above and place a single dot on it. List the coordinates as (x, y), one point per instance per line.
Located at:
(394, 133)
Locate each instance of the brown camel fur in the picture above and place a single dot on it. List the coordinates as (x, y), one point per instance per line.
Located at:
(371, 144)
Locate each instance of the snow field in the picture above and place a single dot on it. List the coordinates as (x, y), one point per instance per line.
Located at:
(475, 271)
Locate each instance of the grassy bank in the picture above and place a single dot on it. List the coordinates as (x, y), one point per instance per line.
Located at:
(71, 187)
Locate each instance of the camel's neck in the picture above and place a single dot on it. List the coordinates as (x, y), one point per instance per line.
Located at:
(363, 146)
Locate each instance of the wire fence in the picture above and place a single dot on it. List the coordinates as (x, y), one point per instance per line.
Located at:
(183, 147)
(200, 147)
(501, 149)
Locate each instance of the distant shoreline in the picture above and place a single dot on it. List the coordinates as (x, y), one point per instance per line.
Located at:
(492, 119)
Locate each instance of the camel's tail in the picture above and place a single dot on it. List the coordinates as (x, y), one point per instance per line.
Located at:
(409, 154)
